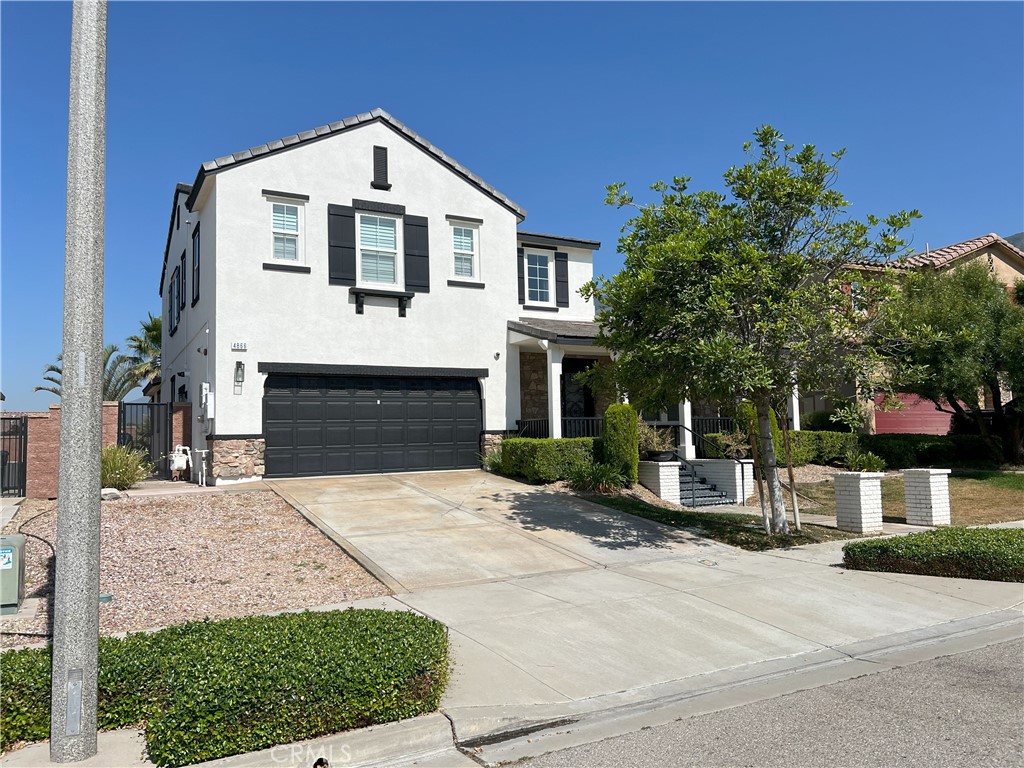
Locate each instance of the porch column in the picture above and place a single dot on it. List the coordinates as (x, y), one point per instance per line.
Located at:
(555, 356)
(794, 408)
(687, 447)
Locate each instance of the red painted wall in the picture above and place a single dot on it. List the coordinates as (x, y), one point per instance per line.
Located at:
(916, 417)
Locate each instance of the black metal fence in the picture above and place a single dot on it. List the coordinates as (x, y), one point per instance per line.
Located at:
(13, 454)
(146, 427)
(572, 426)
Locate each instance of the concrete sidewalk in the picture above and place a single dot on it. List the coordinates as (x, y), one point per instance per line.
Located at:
(570, 622)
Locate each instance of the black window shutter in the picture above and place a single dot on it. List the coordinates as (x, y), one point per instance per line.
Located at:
(561, 279)
(417, 255)
(181, 285)
(380, 168)
(341, 244)
(521, 257)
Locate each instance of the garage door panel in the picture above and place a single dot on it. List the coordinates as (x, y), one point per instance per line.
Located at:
(363, 437)
(417, 434)
(392, 435)
(392, 411)
(364, 410)
(278, 410)
(309, 411)
(338, 462)
(338, 410)
(351, 424)
(337, 437)
(442, 434)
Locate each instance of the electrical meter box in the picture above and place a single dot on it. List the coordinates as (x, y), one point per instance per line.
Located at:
(12, 572)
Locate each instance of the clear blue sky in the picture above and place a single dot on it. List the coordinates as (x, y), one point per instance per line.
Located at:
(547, 102)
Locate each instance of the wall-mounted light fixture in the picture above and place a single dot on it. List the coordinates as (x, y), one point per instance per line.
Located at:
(239, 372)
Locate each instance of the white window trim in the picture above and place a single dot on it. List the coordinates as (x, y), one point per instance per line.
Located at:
(399, 284)
(550, 302)
(300, 233)
(476, 277)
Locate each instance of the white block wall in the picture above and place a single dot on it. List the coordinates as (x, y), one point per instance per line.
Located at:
(662, 478)
(927, 496)
(859, 501)
(735, 479)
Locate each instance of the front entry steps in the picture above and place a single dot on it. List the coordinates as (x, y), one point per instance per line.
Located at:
(694, 491)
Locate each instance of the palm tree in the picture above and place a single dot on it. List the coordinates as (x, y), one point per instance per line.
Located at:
(145, 348)
(119, 376)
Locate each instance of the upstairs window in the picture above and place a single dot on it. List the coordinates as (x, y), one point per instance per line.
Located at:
(173, 306)
(285, 226)
(195, 266)
(378, 249)
(464, 249)
(538, 283)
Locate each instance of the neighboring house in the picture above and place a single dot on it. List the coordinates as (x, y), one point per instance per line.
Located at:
(352, 300)
(920, 416)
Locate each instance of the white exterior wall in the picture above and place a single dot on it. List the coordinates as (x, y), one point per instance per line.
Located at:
(581, 270)
(184, 350)
(300, 318)
(734, 478)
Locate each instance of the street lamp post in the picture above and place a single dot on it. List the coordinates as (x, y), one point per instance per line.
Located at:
(76, 588)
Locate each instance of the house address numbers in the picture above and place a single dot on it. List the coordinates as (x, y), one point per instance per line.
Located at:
(239, 346)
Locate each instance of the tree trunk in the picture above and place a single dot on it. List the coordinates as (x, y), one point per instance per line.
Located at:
(770, 467)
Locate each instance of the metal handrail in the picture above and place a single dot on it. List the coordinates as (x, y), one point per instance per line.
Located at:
(705, 442)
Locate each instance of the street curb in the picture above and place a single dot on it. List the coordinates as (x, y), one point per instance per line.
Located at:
(501, 735)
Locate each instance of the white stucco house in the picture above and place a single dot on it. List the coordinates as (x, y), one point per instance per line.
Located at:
(352, 300)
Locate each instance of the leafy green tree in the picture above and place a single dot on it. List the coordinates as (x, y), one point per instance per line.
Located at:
(955, 337)
(119, 376)
(745, 294)
(145, 347)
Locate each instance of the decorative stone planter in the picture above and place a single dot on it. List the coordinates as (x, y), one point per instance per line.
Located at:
(859, 501)
(927, 496)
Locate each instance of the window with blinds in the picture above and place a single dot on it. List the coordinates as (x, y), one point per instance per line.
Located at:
(285, 227)
(464, 245)
(378, 249)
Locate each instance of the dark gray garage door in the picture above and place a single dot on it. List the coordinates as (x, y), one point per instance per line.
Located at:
(341, 425)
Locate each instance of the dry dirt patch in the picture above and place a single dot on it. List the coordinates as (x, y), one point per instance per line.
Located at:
(170, 559)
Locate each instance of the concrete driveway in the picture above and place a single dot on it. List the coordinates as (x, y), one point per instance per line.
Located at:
(560, 609)
(444, 529)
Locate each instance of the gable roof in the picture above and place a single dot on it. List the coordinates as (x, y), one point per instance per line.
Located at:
(941, 257)
(324, 131)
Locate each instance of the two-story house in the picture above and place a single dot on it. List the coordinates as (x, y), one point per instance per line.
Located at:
(352, 300)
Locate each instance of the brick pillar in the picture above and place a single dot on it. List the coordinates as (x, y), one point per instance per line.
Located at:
(927, 496)
(859, 501)
(109, 423)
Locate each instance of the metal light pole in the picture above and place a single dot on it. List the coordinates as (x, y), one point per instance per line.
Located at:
(77, 586)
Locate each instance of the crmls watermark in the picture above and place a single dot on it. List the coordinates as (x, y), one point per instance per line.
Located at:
(305, 755)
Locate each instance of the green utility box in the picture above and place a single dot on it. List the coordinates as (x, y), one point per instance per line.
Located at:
(12, 572)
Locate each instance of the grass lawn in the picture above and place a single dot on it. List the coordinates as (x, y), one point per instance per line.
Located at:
(975, 498)
(743, 531)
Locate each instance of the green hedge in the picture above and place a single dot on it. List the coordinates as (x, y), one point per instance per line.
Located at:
(965, 553)
(902, 451)
(211, 689)
(806, 446)
(621, 438)
(547, 459)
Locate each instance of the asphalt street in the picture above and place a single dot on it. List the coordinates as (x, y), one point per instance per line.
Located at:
(963, 710)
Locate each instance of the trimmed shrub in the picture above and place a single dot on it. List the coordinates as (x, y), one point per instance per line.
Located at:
(965, 553)
(602, 478)
(121, 467)
(211, 689)
(901, 451)
(621, 440)
(833, 447)
(545, 460)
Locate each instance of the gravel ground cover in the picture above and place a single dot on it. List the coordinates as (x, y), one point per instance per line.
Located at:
(171, 559)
